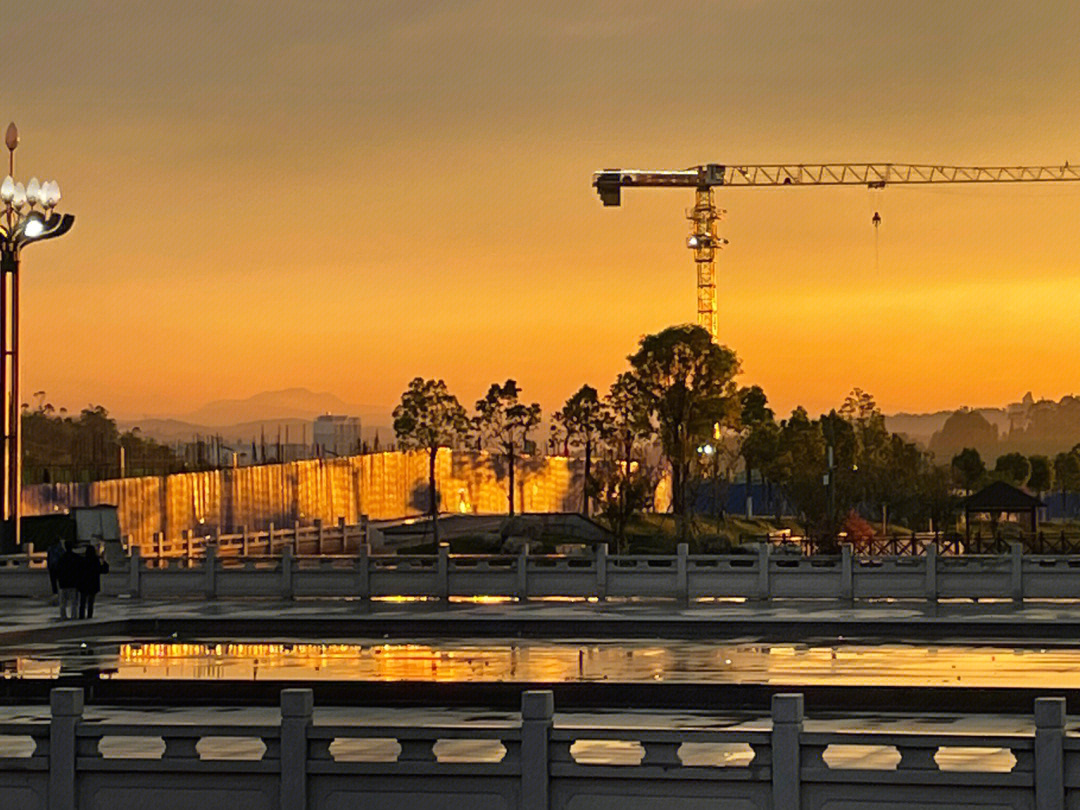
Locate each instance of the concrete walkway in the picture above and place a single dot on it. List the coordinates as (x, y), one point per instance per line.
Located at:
(1030, 620)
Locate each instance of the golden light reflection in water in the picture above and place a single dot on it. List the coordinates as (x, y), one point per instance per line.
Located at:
(525, 660)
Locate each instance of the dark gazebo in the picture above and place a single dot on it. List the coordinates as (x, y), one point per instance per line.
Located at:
(1000, 498)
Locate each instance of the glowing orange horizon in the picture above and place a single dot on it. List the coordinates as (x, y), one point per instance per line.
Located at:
(372, 194)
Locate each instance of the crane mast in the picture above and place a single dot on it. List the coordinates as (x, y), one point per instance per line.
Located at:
(704, 240)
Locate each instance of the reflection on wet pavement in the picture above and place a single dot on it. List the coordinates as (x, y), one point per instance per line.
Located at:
(556, 661)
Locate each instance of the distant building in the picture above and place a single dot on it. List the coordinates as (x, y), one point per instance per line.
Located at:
(336, 435)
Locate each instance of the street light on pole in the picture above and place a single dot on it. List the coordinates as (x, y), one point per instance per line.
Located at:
(26, 216)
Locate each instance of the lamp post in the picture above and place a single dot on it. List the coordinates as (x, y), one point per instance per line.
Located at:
(26, 216)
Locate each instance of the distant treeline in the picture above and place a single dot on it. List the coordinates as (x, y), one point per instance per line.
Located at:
(60, 448)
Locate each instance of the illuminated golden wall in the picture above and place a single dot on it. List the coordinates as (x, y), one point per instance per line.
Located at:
(380, 485)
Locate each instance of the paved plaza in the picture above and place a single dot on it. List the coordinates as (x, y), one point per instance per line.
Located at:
(1028, 619)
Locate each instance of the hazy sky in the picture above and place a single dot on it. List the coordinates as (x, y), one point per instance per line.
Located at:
(343, 195)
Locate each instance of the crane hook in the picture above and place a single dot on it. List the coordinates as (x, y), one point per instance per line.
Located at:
(876, 220)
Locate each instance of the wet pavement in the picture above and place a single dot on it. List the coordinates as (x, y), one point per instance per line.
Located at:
(16, 613)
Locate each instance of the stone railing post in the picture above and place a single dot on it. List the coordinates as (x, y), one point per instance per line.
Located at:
(244, 540)
(1016, 578)
(296, 537)
(66, 705)
(931, 572)
(522, 572)
(296, 707)
(344, 532)
(1049, 753)
(442, 573)
(363, 572)
(287, 572)
(787, 717)
(847, 582)
(682, 585)
(601, 571)
(270, 539)
(319, 536)
(537, 710)
(764, 589)
(135, 572)
(210, 571)
(189, 546)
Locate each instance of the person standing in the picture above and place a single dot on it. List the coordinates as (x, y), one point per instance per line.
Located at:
(52, 557)
(67, 579)
(90, 581)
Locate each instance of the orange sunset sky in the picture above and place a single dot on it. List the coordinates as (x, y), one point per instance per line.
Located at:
(343, 195)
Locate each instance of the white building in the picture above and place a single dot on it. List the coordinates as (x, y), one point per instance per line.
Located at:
(336, 435)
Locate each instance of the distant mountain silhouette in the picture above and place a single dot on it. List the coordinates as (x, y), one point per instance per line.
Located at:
(1030, 427)
(264, 413)
(290, 403)
(920, 427)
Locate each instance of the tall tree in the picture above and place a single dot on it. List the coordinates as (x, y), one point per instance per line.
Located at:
(503, 422)
(687, 383)
(428, 418)
(757, 422)
(627, 427)
(583, 418)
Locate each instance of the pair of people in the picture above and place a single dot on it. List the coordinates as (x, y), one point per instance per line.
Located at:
(78, 580)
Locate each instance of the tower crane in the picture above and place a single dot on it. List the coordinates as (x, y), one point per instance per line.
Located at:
(704, 240)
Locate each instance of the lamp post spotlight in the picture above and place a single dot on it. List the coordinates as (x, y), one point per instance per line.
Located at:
(26, 216)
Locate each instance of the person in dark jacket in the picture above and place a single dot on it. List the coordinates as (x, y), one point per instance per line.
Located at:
(90, 581)
(52, 557)
(67, 579)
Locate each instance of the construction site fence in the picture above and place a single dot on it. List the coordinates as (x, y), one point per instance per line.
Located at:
(383, 486)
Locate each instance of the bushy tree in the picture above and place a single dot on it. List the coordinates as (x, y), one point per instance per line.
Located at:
(503, 422)
(757, 432)
(1013, 468)
(687, 385)
(968, 468)
(625, 486)
(583, 418)
(1067, 472)
(1042, 474)
(429, 417)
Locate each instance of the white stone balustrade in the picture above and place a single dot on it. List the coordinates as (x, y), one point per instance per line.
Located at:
(681, 577)
(66, 763)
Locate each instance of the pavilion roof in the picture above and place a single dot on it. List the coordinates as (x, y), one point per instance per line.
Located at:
(1001, 497)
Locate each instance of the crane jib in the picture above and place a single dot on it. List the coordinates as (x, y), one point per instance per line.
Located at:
(609, 182)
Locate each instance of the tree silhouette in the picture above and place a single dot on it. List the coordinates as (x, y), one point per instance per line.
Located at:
(503, 422)
(429, 417)
(687, 384)
(969, 468)
(583, 418)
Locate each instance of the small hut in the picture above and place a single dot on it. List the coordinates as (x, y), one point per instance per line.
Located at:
(1003, 499)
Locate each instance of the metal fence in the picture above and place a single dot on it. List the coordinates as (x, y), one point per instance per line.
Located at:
(533, 763)
(916, 543)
